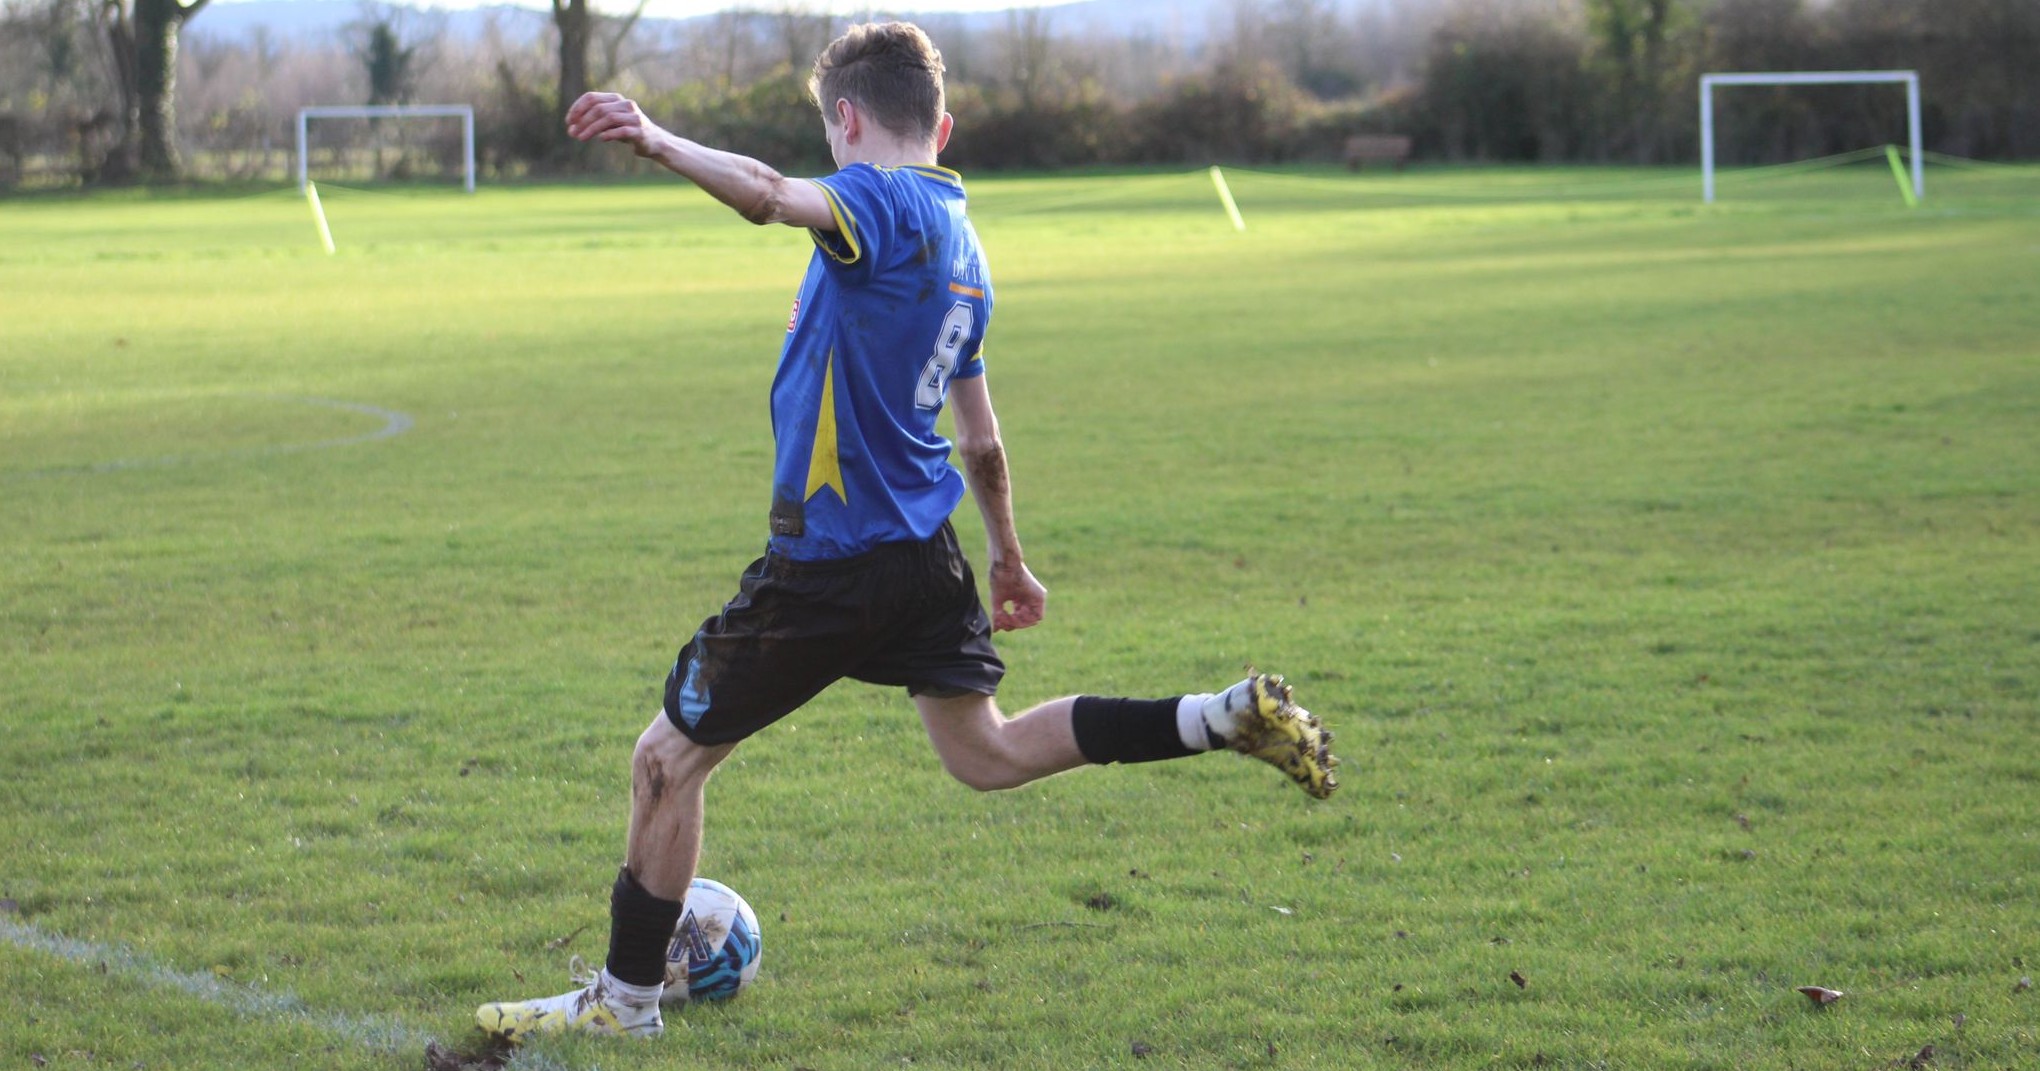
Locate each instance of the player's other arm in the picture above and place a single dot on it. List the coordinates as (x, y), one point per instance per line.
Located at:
(1018, 600)
(753, 189)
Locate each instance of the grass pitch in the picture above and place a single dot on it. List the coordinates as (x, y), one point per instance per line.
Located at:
(1668, 573)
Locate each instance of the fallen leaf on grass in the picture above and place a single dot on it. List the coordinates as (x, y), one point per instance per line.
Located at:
(1821, 995)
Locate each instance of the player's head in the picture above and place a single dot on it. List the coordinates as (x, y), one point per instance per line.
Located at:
(890, 72)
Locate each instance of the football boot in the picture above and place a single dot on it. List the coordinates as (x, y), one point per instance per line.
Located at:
(594, 1008)
(1267, 724)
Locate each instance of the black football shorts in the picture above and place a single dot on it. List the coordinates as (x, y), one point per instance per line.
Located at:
(902, 614)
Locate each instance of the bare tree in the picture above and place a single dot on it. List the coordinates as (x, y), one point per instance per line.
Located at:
(803, 34)
(577, 23)
(612, 43)
(1030, 53)
(1308, 43)
(1632, 38)
(143, 34)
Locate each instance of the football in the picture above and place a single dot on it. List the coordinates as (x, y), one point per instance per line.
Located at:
(715, 949)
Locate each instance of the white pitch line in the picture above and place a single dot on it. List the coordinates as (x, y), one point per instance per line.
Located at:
(379, 1035)
(383, 1036)
(394, 424)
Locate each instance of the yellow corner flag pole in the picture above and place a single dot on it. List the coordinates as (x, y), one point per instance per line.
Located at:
(1225, 196)
(319, 215)
(1905, 189)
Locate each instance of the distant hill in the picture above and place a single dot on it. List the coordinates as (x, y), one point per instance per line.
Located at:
(1185, 22)
(323, 20)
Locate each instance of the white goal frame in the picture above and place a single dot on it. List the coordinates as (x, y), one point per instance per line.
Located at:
(464, 112)
(1911, 80)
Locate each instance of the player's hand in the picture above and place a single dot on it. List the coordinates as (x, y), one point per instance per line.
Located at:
(611, 117)
(1018, 600)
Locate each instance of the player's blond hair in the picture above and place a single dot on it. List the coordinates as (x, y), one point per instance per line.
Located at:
(889, 70)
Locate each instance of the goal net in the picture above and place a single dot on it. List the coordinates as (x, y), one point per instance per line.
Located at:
(1909, 79)
(384, 142)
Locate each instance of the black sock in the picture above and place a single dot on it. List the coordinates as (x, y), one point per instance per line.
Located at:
(1127, 730)
(640, 931)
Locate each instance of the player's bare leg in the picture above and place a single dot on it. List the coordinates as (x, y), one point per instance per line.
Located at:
(1258, 716)
(988, 751)
(668, 775)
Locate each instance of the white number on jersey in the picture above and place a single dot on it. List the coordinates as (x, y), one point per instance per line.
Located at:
(948, 352)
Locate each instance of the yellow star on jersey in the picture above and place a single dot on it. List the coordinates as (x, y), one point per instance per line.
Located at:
(824, 469)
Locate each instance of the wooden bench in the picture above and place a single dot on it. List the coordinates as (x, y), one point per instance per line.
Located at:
(1377, 149)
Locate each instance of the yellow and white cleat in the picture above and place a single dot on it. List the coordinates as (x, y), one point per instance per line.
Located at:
(594, 1008)
(1267, 724)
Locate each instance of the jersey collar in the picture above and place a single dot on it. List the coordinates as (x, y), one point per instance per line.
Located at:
(936, 171)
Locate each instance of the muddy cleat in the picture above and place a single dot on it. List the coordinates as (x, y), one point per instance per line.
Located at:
(594, 1008)
(1265, 723)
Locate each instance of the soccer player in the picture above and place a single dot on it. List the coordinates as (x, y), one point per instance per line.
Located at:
(862, 576)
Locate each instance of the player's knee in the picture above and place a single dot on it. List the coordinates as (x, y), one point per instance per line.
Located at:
(978, 746)
(665, 761)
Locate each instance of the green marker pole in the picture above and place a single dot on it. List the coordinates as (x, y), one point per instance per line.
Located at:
(319, 216)
(1225, 196)
(1905, 189)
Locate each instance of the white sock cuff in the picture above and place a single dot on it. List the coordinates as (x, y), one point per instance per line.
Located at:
(633, 994)
(1190, 724)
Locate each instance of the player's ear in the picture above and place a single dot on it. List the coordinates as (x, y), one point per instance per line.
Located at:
(942, 131)
(851, 122)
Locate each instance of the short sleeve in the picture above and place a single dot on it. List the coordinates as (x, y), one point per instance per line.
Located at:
(859, 200)
(972, 368)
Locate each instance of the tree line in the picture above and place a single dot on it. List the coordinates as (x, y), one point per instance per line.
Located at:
(106, 92)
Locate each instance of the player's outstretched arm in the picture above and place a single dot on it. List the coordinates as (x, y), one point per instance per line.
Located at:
(753, 189)
(1018, 600)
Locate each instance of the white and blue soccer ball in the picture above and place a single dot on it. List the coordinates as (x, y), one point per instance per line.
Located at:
(715, 948)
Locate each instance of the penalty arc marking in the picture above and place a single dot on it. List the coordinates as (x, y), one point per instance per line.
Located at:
(394, 424)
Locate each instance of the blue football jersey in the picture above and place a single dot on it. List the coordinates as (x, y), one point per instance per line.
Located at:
(893, 307)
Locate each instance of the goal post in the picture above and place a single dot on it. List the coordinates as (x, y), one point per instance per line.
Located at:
(465, 113)
(1910, 79)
